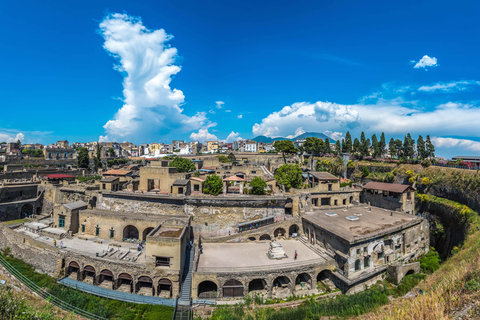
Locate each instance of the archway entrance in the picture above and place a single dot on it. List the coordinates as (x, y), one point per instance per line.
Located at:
(303, 282)
(89, 274)
(280, 286)
(130, 232)
(106, 279)
(280, 232)
(125, 283)
(325, 281)
(257, 285)
(164, 288)
(146, 232)
(73, 270)
(265, 237)
(27, 210)
(207, 290)
(233, 289)
(145, 286)
(293, 230)
(252, 239)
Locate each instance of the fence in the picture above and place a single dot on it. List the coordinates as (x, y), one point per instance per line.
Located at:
(45, 295)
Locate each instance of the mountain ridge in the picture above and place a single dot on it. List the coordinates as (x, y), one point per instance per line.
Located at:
(265, 139)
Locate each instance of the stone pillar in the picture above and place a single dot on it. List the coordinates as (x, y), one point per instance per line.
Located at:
(241, 187)
(225, 187)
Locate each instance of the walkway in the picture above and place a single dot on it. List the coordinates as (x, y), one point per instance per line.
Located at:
(116, 295)
(184, 303)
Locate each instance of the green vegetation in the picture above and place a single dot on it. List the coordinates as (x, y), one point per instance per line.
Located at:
(289, 176)
(38, 153)
(107, 308)
(365, 172)
(182, 164)
(89, 178)
(223, 159)
(1, 168)
(346, 184)
(408, 283)
(116, 162)
(82, 158)
(258, 186)
(285, 147)
(213, 185)
(430, 262)
(97, 161)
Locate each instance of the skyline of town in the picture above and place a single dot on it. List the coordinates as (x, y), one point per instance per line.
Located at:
(177, 76)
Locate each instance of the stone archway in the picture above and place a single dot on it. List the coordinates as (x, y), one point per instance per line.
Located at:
(89, 275)
(232, 289)
(281, 286)
(105, 279)
(130, 232)
(293, 229)
(257, 285)
(279, 232)
(265, 237)
(72, 270)
(252, 239)
(207, 290)
(124, 283)
(146, 232)
(303, 282)
(27, 210)
(164, 288)
(144, 286)
(325, 281)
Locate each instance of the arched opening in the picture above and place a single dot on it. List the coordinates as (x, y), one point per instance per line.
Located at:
(130, 232)
(357, 265)
(233, 289)
(124, 283)
(27, 210)
(257, 285)
(144, 286)
(280, 285)
(146, 232)
(164, 288)
(252, 239)
(366, 262)
(72, 270)
(105, 279)
(325, 282)
(280, 232)
(409, 272)
(207, 290)
(240, 175)
(265, 237)
(351, 199)
(289, 206)
(89, 274)
(293, 230)
(303, 282)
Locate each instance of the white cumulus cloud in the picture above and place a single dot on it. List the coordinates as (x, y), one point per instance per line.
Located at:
(12, 137)
(425, 62)
(310, 116)
(233, 136)
(151, 107)
(202, 135)
(298, 132)
(334, 135)
(456, 143)
(240, 116)
(219, 104)
(450, 86)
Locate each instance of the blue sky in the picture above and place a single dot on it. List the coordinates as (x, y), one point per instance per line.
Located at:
(275, 68)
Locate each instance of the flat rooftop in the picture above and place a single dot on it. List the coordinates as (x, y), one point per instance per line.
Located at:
(228, 257)
(168, 232)
(368, 224)
(87, 246)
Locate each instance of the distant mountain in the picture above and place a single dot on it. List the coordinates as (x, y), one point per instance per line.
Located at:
(302, 136)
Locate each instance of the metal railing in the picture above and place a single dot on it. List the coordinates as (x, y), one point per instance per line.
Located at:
(47, 296)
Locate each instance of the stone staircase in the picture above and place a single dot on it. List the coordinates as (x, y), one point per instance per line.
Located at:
(315, 248)
(184, 302)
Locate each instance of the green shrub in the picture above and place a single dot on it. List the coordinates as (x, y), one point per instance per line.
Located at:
(431, 261)
(365, 172)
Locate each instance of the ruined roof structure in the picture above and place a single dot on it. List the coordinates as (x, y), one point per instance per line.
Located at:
(391, 187)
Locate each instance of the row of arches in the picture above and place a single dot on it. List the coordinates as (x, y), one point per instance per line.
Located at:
(124, 282)
(131, 232)
(279, 232)
(234, 288)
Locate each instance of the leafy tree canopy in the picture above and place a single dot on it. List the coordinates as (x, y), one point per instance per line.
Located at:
(284, 146)
(289, 175)
(182, 164)
(213, 185)
(82, 158)
(258, 186)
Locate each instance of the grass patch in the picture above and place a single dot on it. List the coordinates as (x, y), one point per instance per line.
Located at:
(107, 308)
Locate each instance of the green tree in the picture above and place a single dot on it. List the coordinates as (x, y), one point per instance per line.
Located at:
(111, 152)
(258, 186)
(328, 149)
(289, 176)
(356, 146)
(408, 146)
(338, 147)
(375, 147)
(284, 146)
(231, 156)
(382, 144)
(365, 172)
(421, 151)
(392, 150)
(314, 146)
(348, 143)
(82, 158)
(97, 162)
(363, 145)
(213, 185)
(399, 148)
(430, 148)
(182, 164)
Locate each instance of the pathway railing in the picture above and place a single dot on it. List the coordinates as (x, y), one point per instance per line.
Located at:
(45, 295)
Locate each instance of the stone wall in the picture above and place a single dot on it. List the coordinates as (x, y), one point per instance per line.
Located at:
(154, 204)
